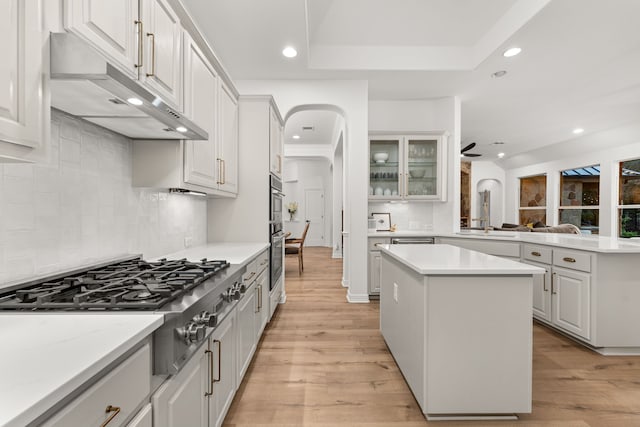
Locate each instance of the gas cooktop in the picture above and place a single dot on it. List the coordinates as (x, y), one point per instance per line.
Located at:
(133, 284)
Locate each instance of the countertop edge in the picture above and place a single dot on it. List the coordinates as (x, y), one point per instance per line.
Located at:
(38, 408)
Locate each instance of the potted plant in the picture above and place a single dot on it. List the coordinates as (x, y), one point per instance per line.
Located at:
(292, 207)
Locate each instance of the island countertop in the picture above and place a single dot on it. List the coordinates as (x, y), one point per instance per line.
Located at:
(601, 244)
(452, 260)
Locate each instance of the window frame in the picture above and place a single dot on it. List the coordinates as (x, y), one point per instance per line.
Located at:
(533, 208)
(620, 206)
(580, 207)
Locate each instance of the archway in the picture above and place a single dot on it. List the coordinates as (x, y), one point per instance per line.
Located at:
(335, 153)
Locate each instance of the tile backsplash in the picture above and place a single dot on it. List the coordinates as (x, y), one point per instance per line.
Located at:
(407, 216)
(80, 207)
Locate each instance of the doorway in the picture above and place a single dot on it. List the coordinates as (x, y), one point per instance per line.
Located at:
(314, 209)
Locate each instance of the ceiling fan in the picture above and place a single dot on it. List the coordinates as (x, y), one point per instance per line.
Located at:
(464, 153)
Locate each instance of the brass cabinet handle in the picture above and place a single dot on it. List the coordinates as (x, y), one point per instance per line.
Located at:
(406, 179)
(553, 287)
(259, 298)
(253, 273)
(224, 171)
(544, 281)
(534, 253)
(209, 391)
(219, 171)
(115, 410)
(215, 380)
(153, 55)
(140, 43)
(569, 259)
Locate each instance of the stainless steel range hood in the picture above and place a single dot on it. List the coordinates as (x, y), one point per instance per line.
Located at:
(84, 84)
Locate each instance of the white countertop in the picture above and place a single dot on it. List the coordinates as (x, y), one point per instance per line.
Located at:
(234, 253)
(452, 260)
(45, 357)
(573, 241)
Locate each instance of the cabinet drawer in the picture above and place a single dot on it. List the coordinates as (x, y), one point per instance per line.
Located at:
(572, 259)
(374, 241)
(124, 387)
(541, 254)
(262, 262)
(252, 272)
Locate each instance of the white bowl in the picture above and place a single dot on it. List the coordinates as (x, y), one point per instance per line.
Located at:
(380, 157)
(417, 173)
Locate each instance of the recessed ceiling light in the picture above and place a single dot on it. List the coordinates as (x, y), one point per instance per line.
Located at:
(134, 101)
(500, 155)
(181, 129)
(498, 74)
(296, 137)
(511, 52)
(578, 131)
(289, 52)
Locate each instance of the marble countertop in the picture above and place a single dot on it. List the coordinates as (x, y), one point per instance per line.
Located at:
(234, 253)
(45, 357)
(587, 243)
(452, 260)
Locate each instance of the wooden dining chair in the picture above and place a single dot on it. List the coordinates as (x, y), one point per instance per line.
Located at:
(295, 246)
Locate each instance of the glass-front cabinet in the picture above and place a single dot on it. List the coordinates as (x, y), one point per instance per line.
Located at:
(408, 167)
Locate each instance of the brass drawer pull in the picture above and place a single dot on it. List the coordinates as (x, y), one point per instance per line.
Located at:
(569, 259)
(553, 287)
(115, 410)
(535, 253)
(215, 380)
(544, 281)
(209, 391)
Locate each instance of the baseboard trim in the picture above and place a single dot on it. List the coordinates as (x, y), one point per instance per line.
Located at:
(357, 298)
(283, 298)
(345, 283)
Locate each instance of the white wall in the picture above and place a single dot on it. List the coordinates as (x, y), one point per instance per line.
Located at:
(312, 174)
(80, 207)
(338, 197)
(441, 114)
(351, 98)
(604, 148)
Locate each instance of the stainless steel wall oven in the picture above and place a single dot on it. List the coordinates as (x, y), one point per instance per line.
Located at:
(276, 233)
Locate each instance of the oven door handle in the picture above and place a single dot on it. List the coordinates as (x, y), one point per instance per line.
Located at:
(278, 235)
(277, 192)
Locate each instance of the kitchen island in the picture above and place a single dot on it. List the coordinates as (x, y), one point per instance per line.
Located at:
(458, 323)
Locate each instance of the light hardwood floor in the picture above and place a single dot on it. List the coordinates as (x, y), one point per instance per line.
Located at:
(322, 362)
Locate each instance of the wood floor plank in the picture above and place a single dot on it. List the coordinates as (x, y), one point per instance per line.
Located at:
(322, 362)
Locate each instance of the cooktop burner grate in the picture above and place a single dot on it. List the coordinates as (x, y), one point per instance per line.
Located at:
(127, 285)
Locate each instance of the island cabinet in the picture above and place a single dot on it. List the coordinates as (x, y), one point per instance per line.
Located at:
(458, 324)
(115, 397)
(24, 105)
(409, 167)
(201, 393)
(563, 297)
(375, 262)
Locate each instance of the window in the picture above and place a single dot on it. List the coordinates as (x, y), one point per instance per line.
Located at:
(533, 199)
(580, 198)
(629, 198)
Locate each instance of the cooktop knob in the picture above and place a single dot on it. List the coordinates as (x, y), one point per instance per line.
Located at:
(193, 332)
(206, 319)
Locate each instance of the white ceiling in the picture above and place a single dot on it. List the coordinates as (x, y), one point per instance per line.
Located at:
(323, 123)
(580, 65)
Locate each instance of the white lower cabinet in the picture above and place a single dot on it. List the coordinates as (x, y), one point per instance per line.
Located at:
(246, 314)
(201, 393)
(541, 292)
(113, 398)
(375, 272)
(275, 295)
(224, 352)
(571, 301)
(144, 417)
(262, 302)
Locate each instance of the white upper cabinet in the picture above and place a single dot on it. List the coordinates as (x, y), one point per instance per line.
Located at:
(109, 26)
(22, 100)
(141, 37)
(276, 142)
(228, 144)
(161, 65)
(201, 104)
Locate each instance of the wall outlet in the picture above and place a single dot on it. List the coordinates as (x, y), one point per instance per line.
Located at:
(395, 292)
(188, 241)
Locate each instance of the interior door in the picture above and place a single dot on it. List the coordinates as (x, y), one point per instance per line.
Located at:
(314, 212)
